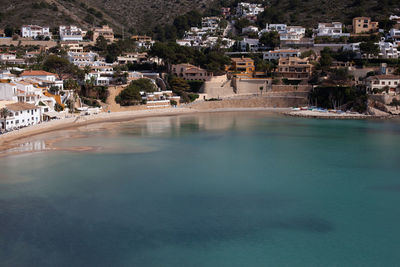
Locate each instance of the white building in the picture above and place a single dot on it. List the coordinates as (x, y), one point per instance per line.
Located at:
(250, 29)
(352, 47)
(210, 22)
(388, 50)
(277, 54)
(251, 44)
(247, 9)
(71, 33)
(334, 30)
(83, 59)
(280, 28)
(34, 31)
(21, 114)
(381, 82)
(394, 34)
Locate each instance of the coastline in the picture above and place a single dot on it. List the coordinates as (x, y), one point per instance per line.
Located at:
(334, 116)
(12, 139)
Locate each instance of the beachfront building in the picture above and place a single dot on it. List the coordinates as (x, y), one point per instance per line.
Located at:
(44, 78)
(71, 33)
(364, 25)
(333, 29)
(35, 31)
(281, 53)
(105, 31)
(294, 68)
(191, 72)
(383, 84)
(20, 115)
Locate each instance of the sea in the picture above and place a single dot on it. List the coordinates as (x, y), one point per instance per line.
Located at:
(213, 189)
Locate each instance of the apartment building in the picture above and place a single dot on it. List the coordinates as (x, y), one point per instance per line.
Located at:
(364, 25)
(294, 68)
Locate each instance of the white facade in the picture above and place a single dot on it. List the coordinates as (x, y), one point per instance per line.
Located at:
(71, 33)
(277, 54)
(33, 31)
(21, 115)
(247, 9)
(252, 44)
(388, 50)
(333, 29)
(250, 29)
(353, 47)
(280, 28)
(210, 22)
(380, 82)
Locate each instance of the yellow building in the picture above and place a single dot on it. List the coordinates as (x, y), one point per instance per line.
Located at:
(364, 25)
(243, 64)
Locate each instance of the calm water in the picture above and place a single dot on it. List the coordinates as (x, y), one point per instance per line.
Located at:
(233, 189)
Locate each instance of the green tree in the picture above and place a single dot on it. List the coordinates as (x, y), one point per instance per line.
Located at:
(270, 39)
(4, 114)
(60, 66)
(369, 48)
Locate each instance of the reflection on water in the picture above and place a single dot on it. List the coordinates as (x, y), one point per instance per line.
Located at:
(32, 146)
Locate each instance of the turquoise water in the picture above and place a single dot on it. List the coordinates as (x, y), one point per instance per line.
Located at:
(227, 189)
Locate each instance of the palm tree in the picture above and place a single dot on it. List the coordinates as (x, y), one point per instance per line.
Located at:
(4, 113)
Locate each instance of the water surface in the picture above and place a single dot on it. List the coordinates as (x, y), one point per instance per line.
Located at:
(220, 189)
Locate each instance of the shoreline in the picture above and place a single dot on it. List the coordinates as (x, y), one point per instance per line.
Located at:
(334, 116)
(12, 139)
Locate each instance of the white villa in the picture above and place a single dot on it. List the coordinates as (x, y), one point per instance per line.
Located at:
(280, 53)
(34, 31)
(71, 33)
(333, 29)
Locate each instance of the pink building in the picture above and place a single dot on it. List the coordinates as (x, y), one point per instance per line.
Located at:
(190, 72)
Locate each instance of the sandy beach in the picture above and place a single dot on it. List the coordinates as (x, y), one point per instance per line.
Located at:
(12, 139)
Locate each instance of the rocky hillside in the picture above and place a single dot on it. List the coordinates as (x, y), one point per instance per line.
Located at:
(127, 15)
(143, 15)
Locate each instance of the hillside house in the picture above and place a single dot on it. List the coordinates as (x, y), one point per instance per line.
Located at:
(105, 31)
(333, 29)
(294, 68)
(34, 31)
(364, 25)
(191, 72)
(71, 33)
(243, 65)
(281, 53)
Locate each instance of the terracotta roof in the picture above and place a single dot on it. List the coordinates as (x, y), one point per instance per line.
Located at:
(385, 77)
(36, 73)
(20, 106)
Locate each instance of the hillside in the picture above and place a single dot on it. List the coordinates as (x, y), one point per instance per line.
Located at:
(310, 12)
(143, 15)
(134, 15)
